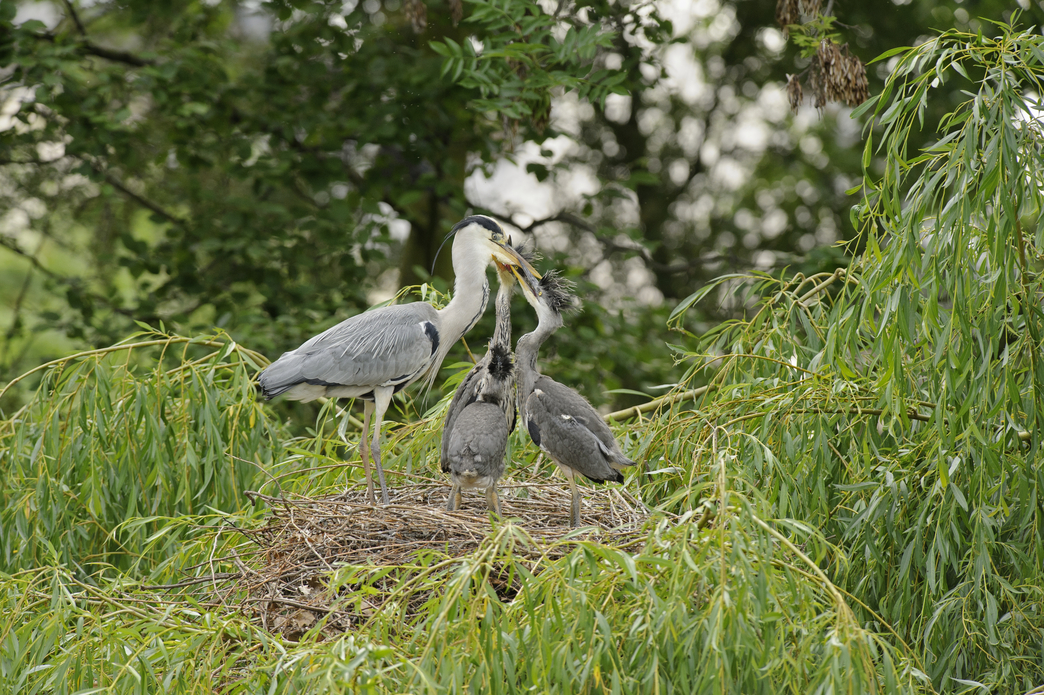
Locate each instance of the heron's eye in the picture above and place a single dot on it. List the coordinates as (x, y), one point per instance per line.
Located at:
(498, 235)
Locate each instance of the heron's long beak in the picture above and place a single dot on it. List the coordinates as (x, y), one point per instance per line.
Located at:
(530, 285)
(509, 256)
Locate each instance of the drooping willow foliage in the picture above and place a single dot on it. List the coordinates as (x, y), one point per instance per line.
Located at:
(858, 482)
(897, 405)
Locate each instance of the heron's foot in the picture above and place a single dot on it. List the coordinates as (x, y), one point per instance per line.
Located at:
(493, 501)
(574, 512)
(453, 503)
(376, 452)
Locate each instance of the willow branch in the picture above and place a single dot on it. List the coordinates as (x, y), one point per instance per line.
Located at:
(658, 402)
(838, 274)
(112, 348)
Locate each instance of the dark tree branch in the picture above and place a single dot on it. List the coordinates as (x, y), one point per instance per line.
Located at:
(116, 56)
(75, 18)
(12, 246)
(137, 198)
(112, 54)
(611, 247)
(73, 283)
(19, 300)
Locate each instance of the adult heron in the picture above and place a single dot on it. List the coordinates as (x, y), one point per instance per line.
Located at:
(482, 413)
(560, 421)
(375, 354)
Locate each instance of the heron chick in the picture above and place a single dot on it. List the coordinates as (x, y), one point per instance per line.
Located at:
(559, 420)
(482, 413)
(377, 353)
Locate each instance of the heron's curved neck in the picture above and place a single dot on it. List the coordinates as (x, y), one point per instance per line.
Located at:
(529, 345)
(470, 296)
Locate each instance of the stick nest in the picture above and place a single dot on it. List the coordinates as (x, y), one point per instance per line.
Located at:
(305, 540)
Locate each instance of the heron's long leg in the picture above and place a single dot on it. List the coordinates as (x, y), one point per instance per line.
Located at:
(381, 400)
(454, 498)
(574, 506)
(364, 450)
(492, 499)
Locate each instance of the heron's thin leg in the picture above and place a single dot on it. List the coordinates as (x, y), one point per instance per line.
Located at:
(381, 400)
(364, 451)
(493, 500)
(454, 498)
(574, 507)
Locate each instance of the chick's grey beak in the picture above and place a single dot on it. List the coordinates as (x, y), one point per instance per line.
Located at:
(530, 285)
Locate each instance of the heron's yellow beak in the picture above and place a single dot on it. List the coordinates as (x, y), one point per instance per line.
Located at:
(508, 256)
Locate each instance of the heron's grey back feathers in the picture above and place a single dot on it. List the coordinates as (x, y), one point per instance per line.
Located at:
(390, 346)
(464, 396)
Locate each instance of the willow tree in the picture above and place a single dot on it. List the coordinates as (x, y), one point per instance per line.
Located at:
(897, 405)
(858, 485)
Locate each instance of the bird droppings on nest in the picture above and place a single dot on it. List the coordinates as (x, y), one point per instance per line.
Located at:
(295, 555)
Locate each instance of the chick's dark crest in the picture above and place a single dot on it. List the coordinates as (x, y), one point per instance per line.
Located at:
(558, 292)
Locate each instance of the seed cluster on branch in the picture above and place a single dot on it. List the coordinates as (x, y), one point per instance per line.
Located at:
(837, 75)
(834, 73)
(790, 12)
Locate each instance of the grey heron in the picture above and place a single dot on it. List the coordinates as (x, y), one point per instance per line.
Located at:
(482, 413)
(560, 421)
(377, 353)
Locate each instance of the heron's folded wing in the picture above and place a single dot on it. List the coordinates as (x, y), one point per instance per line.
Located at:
(567, 439)
(384, 347)
(569, 401)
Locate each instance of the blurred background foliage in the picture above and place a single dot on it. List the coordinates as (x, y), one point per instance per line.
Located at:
(270, 168)
(859, 478)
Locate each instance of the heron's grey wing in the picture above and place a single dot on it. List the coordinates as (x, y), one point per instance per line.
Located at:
(465, 394)
(560, 422)
(478, 440)
(390, 346)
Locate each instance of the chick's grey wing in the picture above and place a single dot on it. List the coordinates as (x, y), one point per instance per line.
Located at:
(384, 347)
(567, 438)
(465, 395)
(568, 401)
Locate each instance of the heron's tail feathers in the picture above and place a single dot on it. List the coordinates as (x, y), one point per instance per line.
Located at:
(280, 376)
(620, 461)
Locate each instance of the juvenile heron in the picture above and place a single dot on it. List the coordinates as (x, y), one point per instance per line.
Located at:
(482, 413)
(377, 353)
(559, 420)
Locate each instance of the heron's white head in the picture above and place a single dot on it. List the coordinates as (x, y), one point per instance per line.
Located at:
(478, 240)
